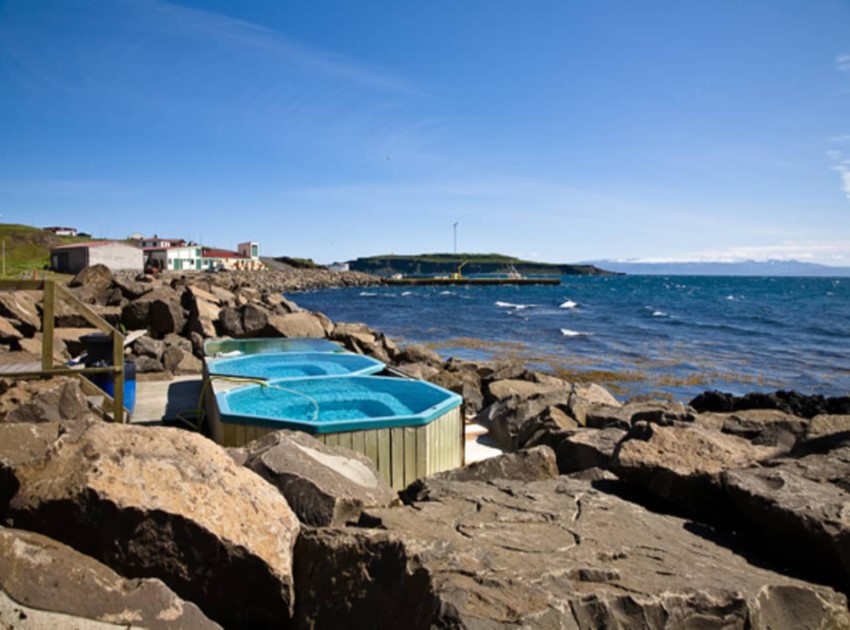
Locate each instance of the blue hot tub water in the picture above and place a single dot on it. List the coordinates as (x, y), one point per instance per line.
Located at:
(295, 365)
(328, 405)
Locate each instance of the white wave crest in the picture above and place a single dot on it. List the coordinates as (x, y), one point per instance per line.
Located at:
(518, 307)
(568, 304)
(368, 294)
(406, 293)
(566, 332)
(447, 292)
(659, 314)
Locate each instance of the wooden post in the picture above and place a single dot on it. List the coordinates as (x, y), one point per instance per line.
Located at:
(118, 362)
(48, 322)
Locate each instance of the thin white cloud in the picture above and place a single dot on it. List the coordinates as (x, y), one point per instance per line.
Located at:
(812, 251)
(841, 165)
(842, 62)
(249, 35)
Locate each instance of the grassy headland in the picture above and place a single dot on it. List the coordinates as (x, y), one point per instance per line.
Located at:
(28, 248)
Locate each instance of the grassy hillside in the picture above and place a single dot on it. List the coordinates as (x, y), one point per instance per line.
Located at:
(28, 248)
(474, 264)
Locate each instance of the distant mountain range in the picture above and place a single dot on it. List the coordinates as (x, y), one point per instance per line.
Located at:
(744, 268)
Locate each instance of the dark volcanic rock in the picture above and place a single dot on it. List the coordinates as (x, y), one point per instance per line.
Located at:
(683, 464)
(59, 399)
(165, 503)
(588, 448)
(790, 402)
(769, 427)
(549, 554)
(534, 464)
(323, 485)
(46, 584)
(506, 418)
(802, 508)
(661, 412)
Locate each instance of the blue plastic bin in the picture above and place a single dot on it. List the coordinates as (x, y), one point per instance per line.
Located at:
(107, 383)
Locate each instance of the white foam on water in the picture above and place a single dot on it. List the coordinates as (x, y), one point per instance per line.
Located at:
(566, 332)
(568, 304)
(447, 293)
(518, 307)
(659, 314)
(406, 293)
(368, 294)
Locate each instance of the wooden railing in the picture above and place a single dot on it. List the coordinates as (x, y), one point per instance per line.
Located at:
(54, 291)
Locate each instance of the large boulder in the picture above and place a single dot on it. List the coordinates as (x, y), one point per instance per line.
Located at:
(323, 485)
(165, 503)
(826, 425)
(801, 508)
(59, 399)
(770, 427)
(684, 464)
(506, 418)
(467, 383)
(295, 325)
(45, 584)
(92, 284)
(545, 554)
(587, 395)
(203, 315)
(413, 353)
(498, 390)
(9, 333)
(255, 318)
(160, 311)
(21, 307)
(588, 448)
(601, 416)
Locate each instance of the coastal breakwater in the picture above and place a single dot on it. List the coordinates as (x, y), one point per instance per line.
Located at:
(725, 511)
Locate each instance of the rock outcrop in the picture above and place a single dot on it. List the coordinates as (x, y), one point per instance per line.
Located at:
(323, 485)
(168, 504)
(45, 584)
(549, 554)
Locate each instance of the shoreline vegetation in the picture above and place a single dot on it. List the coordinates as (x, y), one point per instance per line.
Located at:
(725, 511)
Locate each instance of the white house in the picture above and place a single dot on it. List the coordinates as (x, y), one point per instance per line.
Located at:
(116, 255)
(198, 258)
(62, 231)
(338, 266)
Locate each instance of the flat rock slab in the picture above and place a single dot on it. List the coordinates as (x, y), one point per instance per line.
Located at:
(683, 464)
(533, 464)
(61, 587)
(548, 554)
(165, 503)
(323, 485)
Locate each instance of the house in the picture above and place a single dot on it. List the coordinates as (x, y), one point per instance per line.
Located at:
(62, 231)
(338, 266)
(116, 255)
(202, 258)
(155, 242)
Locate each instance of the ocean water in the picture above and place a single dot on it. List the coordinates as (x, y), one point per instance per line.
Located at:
(639, 334)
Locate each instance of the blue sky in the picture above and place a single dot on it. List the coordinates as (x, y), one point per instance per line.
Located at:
(561, 131)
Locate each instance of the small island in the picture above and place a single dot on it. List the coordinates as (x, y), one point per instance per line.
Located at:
(468, 269)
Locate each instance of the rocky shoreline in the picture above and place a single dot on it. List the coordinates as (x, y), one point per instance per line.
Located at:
(722, 512)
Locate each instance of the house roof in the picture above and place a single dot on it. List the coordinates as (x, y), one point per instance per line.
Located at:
(93, 244)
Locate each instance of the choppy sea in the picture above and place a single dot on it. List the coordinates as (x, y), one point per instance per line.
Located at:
(679, 335)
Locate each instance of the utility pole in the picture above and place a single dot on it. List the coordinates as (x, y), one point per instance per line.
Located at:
(455, 241)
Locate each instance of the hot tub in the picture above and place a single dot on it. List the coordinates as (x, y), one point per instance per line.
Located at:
(408, 428)
(294, 365)
(238, 347)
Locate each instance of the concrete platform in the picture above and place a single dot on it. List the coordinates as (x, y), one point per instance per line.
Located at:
(157, 401)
